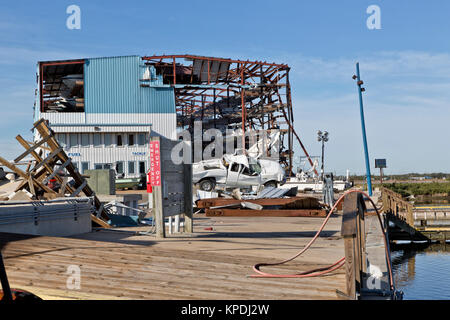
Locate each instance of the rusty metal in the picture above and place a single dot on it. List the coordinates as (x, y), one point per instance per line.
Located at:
(265, 213)
(222, 92)
(214, 202)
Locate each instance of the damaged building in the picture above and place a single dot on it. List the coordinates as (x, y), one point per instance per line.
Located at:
(104, 110)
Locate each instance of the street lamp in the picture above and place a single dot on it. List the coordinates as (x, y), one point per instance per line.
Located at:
(324, 138)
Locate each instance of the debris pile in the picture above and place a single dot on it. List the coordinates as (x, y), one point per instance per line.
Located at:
(50, 177)
(270, 202)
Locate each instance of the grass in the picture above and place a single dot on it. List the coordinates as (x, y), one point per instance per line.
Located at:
(407, 189)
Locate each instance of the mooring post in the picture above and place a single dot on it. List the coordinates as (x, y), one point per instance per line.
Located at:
(352, 246)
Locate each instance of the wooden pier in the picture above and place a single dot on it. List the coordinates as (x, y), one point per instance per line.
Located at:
(214, 262)
(207, 265)
(408, 222)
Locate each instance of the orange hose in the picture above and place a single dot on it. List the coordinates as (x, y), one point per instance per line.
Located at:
(321, 271)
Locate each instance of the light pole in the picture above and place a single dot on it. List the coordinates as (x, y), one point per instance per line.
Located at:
(324, 138)
(359, 83)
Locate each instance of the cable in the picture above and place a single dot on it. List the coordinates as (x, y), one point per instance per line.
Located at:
(338, 264)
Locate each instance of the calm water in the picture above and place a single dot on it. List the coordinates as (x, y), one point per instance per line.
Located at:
(422, 272)
(427, 200)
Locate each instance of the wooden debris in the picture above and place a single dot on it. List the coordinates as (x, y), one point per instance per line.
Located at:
(36, 179)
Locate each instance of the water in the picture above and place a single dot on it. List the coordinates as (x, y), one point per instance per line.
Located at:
(431, 200)
(422, 271)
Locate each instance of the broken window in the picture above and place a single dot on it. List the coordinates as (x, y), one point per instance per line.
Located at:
(131, 139)
(142, 167)
(119, 167)
(62, 86)
(235, 167)
(61, 137)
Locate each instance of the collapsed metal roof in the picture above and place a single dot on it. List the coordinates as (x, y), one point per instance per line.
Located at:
(222, 92)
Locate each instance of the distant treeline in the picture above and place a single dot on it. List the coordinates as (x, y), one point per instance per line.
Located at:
(408, 176)
(408, 189)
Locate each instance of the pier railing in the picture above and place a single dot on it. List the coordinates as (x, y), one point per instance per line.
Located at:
(394, 204)
(359, 280)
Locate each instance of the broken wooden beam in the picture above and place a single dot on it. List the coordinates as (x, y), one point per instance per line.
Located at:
(31, 149)
(24, 175)
(44, 131)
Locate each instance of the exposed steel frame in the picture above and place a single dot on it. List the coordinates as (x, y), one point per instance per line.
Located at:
(258, 84)
(41, 76)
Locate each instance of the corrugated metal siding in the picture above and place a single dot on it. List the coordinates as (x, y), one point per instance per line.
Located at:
(158, 100)
(112, 85)
(163, 124)
(92, 129)
(64, 117)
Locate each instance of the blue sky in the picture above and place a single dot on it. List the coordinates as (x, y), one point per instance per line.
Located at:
(405, 65)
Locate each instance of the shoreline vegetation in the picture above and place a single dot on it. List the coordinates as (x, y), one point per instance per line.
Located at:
(441, 189)
(411, 184)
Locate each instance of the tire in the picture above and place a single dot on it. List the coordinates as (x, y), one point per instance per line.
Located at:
(270, 184)
(207, 185)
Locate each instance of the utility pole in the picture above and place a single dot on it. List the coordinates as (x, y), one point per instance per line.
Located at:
(363, 127)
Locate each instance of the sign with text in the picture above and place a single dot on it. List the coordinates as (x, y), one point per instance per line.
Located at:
(155, 164)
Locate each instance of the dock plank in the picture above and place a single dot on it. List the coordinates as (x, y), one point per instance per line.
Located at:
(205, 265)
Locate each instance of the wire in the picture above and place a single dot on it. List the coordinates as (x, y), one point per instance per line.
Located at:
(338, 264)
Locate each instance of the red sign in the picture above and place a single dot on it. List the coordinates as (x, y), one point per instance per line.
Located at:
(155, 164)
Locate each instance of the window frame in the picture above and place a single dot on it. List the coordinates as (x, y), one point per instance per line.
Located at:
(139, 167)
(121, 140)
(88, 140)
(144, 141)
(82, 169)
(134, 167)
(111, 141)
(100, 140)
(133, 139)
(117, 166)
(77, 144)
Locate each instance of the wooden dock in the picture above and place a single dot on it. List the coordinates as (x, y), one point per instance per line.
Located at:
(415, 223)
(210, 264)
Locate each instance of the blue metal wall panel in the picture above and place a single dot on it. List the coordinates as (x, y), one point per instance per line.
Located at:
(112, 85)
(158, 100)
